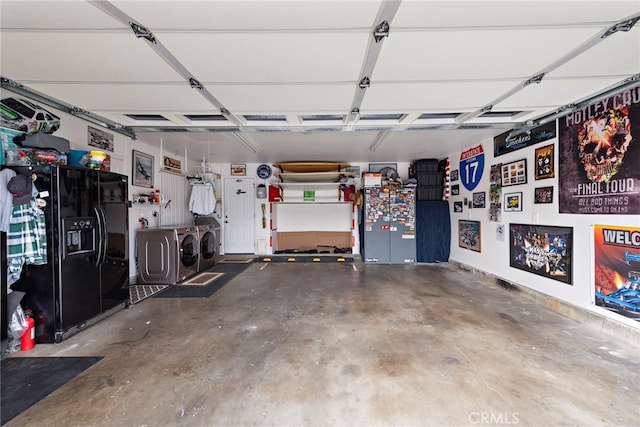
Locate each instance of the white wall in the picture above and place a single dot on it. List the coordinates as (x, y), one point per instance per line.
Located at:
(494, 258)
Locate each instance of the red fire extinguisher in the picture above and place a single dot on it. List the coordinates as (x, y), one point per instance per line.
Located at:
(28, 339)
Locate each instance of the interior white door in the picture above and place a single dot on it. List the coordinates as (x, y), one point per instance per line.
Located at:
(239, 216)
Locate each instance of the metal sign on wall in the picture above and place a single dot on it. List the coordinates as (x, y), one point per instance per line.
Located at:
(599, 157)
(471, 167)
(503, 143)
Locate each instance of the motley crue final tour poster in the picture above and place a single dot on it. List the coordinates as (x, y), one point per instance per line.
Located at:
(599, 154)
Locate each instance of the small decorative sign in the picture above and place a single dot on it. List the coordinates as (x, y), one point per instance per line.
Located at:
(238, 169)
(505, 143)
(172, 165)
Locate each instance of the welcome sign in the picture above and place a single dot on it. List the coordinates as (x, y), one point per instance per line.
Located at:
(617, 269)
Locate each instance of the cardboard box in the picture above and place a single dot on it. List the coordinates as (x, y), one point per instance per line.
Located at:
(321, 241)
(373, 180)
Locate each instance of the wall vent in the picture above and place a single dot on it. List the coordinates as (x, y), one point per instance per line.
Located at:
(395, 116)
(438, 116)
(205, 117)
(322, 117)
(265, 118)
(147, 117)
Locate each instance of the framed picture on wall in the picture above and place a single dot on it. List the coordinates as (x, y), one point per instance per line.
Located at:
(544, 250)
(469, 235)
(479, 199)
(377, 167)
(99, 138)
(142, 173)
(544, 162)
(543, 195)
(457, 206)
(513, 202)
(514, 173)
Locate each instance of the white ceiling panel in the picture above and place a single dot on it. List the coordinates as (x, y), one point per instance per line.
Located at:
(252, 15)
(435, 144)
(487, 54)
(128, 98)
(270, 57)
(557, 92)
(254, 99)
(517, 13)
(55, 14)
(455, 97)
(72, 56)
(616, 55)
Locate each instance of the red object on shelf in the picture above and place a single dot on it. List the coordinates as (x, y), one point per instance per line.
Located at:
(28, 339)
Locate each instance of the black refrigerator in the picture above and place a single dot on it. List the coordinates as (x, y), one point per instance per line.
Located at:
(86, 277)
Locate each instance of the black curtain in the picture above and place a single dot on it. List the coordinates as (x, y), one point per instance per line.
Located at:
(433, 231)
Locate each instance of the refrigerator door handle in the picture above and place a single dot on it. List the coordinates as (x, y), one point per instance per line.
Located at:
(99, 229)
(103, 236)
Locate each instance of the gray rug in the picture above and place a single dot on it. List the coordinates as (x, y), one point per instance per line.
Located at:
(27, 380)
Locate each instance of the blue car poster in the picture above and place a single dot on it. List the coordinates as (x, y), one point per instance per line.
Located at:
(617, 269)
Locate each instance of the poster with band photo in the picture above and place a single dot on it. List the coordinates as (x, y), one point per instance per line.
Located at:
(544, 250)
(599, 150)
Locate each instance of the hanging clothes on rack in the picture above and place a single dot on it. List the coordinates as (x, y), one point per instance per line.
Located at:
(202, 201)
(27, 234)
(6, 198)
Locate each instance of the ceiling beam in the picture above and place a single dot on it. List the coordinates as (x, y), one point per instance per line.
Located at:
(383, 20)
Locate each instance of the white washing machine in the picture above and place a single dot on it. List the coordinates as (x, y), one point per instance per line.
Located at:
(167, 255)
(209, 237)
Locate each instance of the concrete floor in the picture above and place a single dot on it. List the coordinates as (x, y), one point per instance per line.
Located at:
(331, 344)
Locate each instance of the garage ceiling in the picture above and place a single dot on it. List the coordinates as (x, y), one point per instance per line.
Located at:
(269, 81)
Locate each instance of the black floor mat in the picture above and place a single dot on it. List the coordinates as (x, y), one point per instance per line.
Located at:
(26, 380)
(230, 271)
